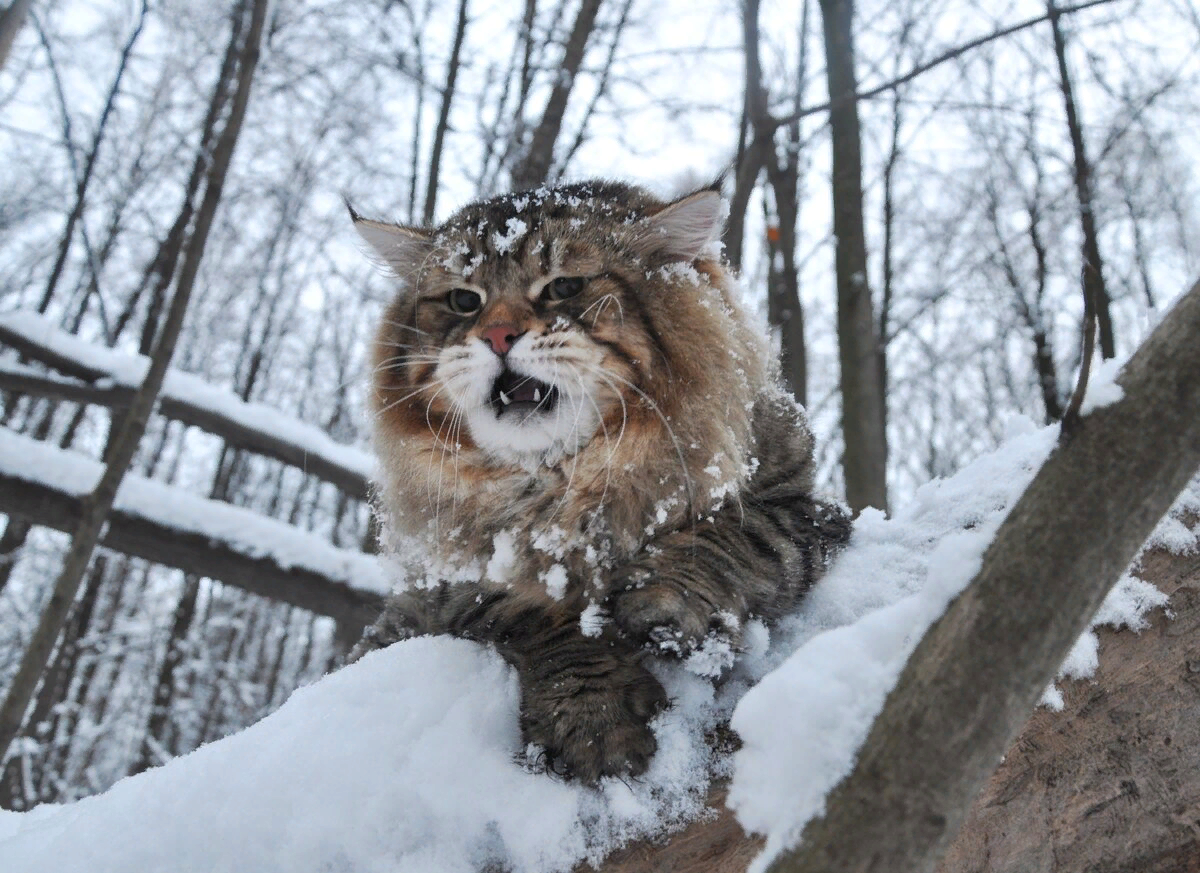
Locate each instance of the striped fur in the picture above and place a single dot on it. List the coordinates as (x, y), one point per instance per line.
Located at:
(663, 497)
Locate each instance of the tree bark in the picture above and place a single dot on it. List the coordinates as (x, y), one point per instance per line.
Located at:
(865, 458)
(534, 166)
(97, 505)
(980, 669)
(1093, 268)
(1111, 783)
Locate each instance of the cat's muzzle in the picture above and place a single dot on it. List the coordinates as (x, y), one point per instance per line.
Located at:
(514, 392)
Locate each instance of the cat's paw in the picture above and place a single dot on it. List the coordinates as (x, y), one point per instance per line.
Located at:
(593, 720)
(671, 621)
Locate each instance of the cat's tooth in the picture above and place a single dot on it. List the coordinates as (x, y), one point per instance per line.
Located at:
(537, 395)
(504, 398)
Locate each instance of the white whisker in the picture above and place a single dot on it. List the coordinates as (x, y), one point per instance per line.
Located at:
(687, 479)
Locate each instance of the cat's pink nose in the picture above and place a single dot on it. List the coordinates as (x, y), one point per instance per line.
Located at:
(501, 337)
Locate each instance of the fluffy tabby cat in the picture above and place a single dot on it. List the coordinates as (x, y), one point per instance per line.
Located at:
(576, 420)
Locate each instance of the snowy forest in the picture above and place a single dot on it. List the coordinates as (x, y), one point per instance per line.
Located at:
(173, 179)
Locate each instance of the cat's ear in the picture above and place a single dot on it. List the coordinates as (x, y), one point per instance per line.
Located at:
(686, 229)
(403, 249)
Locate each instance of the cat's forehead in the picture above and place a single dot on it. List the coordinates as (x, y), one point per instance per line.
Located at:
(497, 224)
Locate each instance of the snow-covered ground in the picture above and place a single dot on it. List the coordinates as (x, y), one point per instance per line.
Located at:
(410, 759)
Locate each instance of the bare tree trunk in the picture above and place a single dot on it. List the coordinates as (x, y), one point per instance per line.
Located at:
(758, 124)
(97, 505)
(865, 458)
(889, 227)
(980, 669)
(11, 20)
(784, 308)
(784, 311)
(749, 166)
(1031, 313)
(1093, 268)
(534, 166)
(602, 90)
(443, 122)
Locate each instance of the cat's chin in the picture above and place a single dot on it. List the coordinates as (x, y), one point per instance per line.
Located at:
(533, 437)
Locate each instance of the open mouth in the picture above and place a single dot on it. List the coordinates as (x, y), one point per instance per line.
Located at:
(514, 393)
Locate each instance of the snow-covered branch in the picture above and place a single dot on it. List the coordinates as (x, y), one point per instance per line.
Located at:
(977, 674)
(44, 485)
(109, 378)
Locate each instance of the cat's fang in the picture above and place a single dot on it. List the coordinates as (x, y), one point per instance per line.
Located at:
(514, 392)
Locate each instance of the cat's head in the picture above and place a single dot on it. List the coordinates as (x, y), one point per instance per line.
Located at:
(530, 322)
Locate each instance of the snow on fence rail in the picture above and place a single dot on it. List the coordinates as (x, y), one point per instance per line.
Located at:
(44, 484)
(109, 379)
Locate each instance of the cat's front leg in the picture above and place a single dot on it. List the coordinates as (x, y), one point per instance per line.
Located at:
(588, 702)
(753, 559)
(672, 603)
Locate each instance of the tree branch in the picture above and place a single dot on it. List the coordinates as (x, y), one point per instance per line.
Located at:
(978, 672)
(196, 550)
(209, 537)
(237, 422)
(937, 61)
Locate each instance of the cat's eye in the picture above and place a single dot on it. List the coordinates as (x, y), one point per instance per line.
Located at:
(564, 287)
(464, 301)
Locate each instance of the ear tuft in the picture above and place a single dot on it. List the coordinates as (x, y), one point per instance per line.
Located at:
(686, 229)
(403, 249)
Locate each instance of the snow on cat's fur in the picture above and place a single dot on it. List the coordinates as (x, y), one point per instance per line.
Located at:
(574, 415)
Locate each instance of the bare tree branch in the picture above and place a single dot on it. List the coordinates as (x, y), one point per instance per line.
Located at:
(938, 60)
(535, 164)
(1094, 288)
